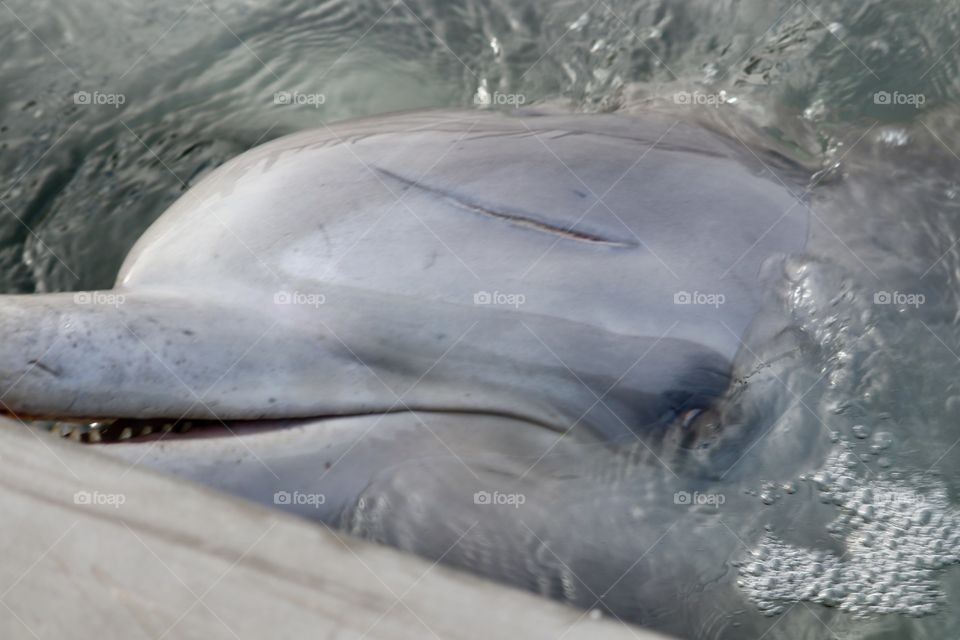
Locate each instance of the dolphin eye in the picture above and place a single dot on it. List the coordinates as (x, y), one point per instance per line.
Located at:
(696, 427)
(686, 418)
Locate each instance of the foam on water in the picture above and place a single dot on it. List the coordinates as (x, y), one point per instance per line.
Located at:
(897, 534)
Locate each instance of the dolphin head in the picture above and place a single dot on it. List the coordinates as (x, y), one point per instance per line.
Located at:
(414, 316)
(593, 271)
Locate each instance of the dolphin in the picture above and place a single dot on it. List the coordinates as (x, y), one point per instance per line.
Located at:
(378, 322)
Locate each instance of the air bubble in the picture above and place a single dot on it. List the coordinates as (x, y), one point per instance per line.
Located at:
(896, 531)
(822, 481)
(881, 440)
(848, 460)
(861, 431)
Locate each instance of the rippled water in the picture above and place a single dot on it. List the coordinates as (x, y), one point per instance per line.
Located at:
(108, 112)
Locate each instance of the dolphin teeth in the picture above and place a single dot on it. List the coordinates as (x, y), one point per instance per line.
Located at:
(116, 430)
(101, 432)
(108, 433)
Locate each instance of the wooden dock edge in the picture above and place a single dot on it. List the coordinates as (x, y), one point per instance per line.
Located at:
(95, 549)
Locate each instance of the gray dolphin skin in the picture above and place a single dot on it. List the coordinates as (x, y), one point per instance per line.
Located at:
(409, 314)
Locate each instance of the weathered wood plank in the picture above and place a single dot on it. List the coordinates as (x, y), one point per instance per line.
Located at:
(93, 548)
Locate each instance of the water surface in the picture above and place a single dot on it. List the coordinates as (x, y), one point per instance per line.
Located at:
(108, 112)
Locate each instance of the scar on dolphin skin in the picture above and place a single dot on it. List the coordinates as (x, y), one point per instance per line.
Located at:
(511, 218)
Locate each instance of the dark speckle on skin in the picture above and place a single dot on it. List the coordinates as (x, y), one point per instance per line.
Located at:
(326, 239)
(271, 400)
(43, 367)
(580, 193)
(187, 332)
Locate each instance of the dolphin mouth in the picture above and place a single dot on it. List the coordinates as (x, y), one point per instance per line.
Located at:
(112, 430)
(692, 429)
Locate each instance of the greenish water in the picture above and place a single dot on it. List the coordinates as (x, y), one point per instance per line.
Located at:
(108, 112)
(198, 82)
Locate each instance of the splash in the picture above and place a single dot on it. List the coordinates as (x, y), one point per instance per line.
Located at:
(898, 533)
